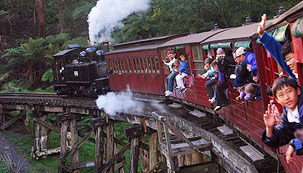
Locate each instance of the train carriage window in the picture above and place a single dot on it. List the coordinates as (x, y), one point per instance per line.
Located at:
(142, 60)
(110, 65)
(165, 67)
(138, 65)
(148, 64)
(152, 64)
(124, 65)
(114, 66)
(157, 64)
(120, 65)
(140, 69)
(134, 64)
(197, 59)
(128, 65)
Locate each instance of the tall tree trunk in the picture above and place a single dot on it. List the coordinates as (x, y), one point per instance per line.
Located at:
(61, 15)
(41, 20)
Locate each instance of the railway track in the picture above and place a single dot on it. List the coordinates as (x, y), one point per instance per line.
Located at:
(207, 121)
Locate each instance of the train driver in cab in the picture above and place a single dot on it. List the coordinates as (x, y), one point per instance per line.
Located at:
(284, 56)
(279, 131)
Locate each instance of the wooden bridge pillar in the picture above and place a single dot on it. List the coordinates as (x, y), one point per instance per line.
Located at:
(43, 139)
(133, 134)
(74, 141)
(98, 124)
(63, 143)
(110, 144)
(153, 150)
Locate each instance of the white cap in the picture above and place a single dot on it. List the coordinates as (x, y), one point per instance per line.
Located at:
(240, 51)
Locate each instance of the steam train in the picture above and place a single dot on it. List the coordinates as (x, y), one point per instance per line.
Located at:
(81, 72)
(138, 64)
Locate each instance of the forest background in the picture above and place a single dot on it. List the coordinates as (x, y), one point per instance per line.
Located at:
(31, 31)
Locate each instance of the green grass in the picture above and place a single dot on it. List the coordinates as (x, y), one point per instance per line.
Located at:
(3, 166)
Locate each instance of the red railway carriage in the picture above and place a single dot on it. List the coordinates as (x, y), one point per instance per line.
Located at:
(190, 45)
(137, 64)
(291, 21)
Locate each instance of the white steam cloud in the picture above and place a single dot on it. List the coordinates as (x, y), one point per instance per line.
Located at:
(108, 14)
(115, 103)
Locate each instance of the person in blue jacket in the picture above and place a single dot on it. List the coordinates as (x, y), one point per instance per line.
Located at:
(183, 72)
(288, 94)
(284, 56)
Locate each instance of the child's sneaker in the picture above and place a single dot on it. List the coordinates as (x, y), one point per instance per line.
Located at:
(168, 93)
(213, 100)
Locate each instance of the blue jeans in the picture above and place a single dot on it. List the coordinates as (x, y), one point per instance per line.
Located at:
(170, 80)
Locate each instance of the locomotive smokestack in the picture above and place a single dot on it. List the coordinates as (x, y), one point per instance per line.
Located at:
(105, 46)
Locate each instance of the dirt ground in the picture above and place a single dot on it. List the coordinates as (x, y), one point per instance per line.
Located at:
(9, 148)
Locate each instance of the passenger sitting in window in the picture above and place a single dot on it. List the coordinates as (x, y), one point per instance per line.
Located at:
(209, 71)
(249, 58)
(183, 72)
(288, 94)
(224, 63)
(284, 56)
(211, 83)
(170, 83)
(171, 77)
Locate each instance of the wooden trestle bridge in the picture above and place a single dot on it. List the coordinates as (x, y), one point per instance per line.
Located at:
(178, 137)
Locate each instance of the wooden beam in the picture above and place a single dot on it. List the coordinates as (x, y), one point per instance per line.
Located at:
(10, 122)
(78, 166)
(36, 139)
(99, 154)
(63, 143)
(1, 116)
(116, 157)
(134, 155)
(159, 131)
(177, 132)
(77, 145)
(110, 144)
(169, 157)
(74, 141)
(153, 149)
(43, 134)
(45, 124)
(144, 156)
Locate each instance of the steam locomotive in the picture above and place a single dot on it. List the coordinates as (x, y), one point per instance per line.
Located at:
(81, 72)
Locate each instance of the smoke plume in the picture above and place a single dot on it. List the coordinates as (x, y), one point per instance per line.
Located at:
(108, 14)
(122, 102)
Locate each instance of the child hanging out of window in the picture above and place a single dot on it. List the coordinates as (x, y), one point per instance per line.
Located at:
(183, 72)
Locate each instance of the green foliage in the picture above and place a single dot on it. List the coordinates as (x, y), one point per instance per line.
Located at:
(2, 12)
(48, 76)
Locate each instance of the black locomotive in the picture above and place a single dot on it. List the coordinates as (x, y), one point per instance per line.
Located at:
(81, 71)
